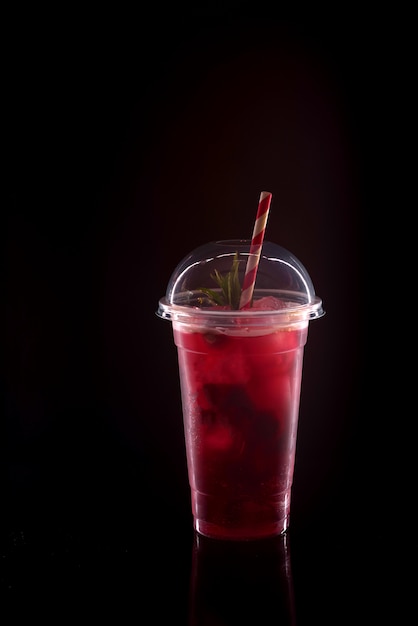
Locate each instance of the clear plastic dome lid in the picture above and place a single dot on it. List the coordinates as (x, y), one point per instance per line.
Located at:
(209, 280)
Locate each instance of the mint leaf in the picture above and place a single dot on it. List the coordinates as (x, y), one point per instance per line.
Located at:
(229, 285)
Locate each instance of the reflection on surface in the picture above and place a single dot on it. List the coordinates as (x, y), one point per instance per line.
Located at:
(241, 583)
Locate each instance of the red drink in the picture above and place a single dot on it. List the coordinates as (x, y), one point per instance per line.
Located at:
(240, 395)
(240, 375)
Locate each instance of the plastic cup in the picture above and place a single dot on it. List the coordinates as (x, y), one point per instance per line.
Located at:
(240, 378)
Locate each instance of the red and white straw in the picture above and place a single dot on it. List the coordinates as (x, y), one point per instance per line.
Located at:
(255, 250)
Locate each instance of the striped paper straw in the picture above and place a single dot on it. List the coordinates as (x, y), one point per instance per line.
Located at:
(255, 250)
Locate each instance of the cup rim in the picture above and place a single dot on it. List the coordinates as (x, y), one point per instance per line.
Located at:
(292, 313)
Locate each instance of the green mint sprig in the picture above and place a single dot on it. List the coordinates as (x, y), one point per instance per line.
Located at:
(230, 288)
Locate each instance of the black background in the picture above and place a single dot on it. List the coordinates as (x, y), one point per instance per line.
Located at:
(131, 140)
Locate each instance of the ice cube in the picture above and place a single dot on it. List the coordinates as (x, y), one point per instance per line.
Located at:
(269, 303)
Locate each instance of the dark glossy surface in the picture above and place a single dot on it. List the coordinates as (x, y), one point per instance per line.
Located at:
(134, 572)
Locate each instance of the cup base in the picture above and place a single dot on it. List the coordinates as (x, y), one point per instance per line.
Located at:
(240, 518)
(243, 533)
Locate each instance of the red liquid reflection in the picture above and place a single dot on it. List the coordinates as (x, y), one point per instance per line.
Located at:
(241, 582)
